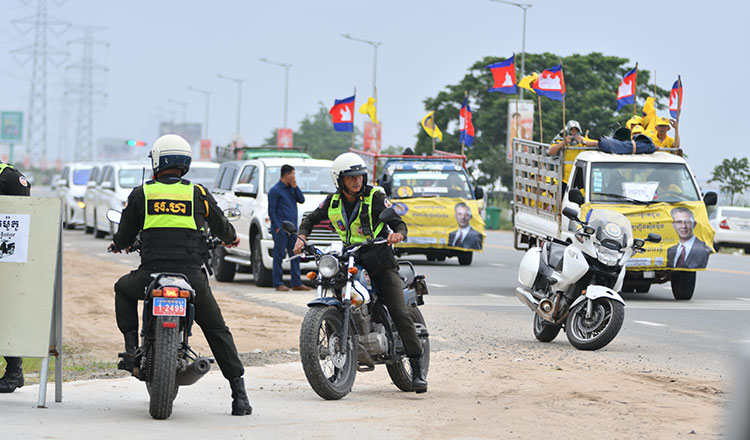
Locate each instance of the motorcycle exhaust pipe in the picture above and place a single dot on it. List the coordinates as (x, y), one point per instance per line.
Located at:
(194, 371)
(527, 298)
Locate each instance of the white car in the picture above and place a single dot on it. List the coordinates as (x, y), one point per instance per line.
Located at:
(90, 197)
(244, 185)
(117, 181)
(70, 188)
(732, 226)
(203, 173)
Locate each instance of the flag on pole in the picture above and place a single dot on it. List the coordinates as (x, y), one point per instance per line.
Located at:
(551, 83)
(626, 91)
(504, 76)
(428, 123)
(675, 98)
(527, 82)
(466, 127)
(369, 109)
(342, 113)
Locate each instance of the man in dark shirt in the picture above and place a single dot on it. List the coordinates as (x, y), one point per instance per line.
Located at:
(282, 206)
(12, 183)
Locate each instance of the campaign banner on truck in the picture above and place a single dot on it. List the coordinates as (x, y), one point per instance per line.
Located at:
(441, 222)
(520, 123)
(686, 236)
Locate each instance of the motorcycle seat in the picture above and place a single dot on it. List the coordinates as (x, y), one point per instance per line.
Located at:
(406, 273)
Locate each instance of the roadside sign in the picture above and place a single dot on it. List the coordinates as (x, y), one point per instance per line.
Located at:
(284, 137)
(372, 136)
(11, 126)
(205, 149)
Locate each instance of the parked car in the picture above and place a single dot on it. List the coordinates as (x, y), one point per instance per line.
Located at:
(117, 181)
(244, 185)
(70, 188)
(90, 197)
(732, 226)
(204, 173)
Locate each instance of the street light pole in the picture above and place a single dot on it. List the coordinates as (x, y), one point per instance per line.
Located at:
(207, 94)
(239, 99)
(286, 84)
(525, 7)
(184, 110)
(374, 45)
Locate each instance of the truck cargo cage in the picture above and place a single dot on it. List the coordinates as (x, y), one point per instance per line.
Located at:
(372, 159)
(228, 153)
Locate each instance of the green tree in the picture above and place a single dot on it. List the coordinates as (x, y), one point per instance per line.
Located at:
(317, 135)
(591, 82)
(733, 176)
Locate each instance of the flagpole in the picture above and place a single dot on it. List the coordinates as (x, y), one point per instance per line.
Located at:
(541, 129)
(355, 100)
(562, 72)
(655, 87)
(463, 138)
(679, 97)
(635, 88)
(434, 128)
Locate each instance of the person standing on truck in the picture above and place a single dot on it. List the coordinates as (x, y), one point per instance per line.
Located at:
(282, 206)
(352, 211)
(661, 139)
(572, 138)
(12, 183)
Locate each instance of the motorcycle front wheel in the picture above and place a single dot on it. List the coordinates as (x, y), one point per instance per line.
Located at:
(545, 331)
(329, 371)
(599, 329)
(400, 371)
(162, 385)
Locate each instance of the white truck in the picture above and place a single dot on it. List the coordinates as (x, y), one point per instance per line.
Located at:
(244, 184)
(657, 192)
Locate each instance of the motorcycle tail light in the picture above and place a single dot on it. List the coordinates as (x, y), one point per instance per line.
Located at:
(156, 292)
(184, 294)
(169, 325)
(353, 270)
(311, 275)
(171, 292)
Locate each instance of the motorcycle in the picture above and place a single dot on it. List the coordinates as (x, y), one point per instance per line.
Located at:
(574, 285)
(165, 360)
(347, 328)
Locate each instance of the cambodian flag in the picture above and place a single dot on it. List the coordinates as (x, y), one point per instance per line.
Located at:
(504, 76)
(551, 83)
(466, 126)
(626, 91)
(675, 98)
(342, 113)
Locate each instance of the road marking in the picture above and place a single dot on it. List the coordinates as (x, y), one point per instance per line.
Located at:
(652, 324)
(744, 299)
(498, 265)
(493, 295)
(436, 285)
(736, 272)
(499, 246)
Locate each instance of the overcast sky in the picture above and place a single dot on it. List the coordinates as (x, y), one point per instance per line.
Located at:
(158, 48)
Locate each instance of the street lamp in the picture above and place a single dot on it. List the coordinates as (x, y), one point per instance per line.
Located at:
(239, 99)
(208, 97)
(184, 110)
(374, 45)
(286, 86)
(525, 7)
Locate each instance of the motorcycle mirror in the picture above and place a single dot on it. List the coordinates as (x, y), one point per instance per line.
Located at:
(570, 213)
(387, 215)
(114, 216)
(575, 196)
(710, 198)
(653, 238)
(289, 227)
(637, 242)
(232, 214)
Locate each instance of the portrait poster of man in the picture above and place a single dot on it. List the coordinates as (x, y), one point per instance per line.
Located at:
(520, 122)
(689, 252)
(465, 236)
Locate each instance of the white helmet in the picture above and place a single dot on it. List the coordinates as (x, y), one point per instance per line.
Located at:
(171, 151)
(347, 164)
(572, 124)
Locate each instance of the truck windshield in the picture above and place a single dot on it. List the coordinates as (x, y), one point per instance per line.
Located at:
(130, 178)
(311, 180)
(645, 182)
(430, 183)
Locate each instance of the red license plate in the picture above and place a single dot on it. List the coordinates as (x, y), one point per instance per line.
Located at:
(169, 306)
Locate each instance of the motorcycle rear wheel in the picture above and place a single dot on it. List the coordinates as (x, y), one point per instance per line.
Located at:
(545, 331)
(400, 371)
(329, 372)
(162, 385)
(598, 330)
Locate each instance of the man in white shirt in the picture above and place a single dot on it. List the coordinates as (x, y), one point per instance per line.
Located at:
(466, 236)
(689, 252)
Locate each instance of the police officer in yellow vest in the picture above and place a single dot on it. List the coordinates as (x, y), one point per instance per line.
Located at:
(12, 183)
(352, 211)
(170, 214)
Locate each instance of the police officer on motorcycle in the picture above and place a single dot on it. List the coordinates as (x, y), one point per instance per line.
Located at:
(170, 213)
(351, 211)
(12, 183)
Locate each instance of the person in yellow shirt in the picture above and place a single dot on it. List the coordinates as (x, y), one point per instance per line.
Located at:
(572, 138)
(634, 121)
(661, 139)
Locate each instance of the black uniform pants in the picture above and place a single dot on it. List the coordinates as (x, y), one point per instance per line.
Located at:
(131, 288)
(389, 288)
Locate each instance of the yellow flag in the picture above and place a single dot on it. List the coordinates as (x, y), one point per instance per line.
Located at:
(428, 123)
(527, 81)
(649, 115)
(369, 109)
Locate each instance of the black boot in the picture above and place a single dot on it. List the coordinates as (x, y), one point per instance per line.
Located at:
(129, 361)
(240, 403)
(418, 381)
(13, 377)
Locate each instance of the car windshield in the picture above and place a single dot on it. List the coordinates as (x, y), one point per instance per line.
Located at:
(430, 183)
(81, 176)
(203, 175)
(130, 178)
(311, 180)
(645, 182)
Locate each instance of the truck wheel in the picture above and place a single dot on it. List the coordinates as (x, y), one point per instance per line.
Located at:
(263, 277)
(464, 258)
(683, 285)
(223, 270)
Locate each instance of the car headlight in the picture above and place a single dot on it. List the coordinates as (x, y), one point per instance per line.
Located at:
(607, 256)
(328, 266)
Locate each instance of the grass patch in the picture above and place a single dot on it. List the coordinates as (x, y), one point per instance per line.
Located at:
(75, 367)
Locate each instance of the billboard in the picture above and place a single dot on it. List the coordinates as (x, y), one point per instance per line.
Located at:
(372, 137)
(11, 126)
(520, 123)
(284, 137)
